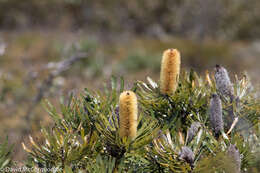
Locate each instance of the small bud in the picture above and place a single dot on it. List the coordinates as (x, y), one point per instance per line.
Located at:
(223, 84)
(170, 70)
(234, 154)
(215, 115)
(128, 114)
(192, 131)
(187, 155)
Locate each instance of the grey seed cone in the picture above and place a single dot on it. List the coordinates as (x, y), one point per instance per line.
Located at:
(187, 154)
(215, 115)
(223, 83)
(192, 131)
(234, 154)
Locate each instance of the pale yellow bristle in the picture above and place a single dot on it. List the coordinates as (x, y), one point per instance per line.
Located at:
(170, 70)
(181, 139)
(128, 114)
(25, 148)
(208, 80)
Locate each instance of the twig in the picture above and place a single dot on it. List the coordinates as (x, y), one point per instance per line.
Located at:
(61, 67)
(233, 125)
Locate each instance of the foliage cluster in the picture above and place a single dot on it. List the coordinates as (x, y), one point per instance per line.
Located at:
(85, 136)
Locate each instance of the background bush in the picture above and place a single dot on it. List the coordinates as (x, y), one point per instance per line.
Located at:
(198, 19)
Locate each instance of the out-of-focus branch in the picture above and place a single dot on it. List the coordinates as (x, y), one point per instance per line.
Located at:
(60, 67)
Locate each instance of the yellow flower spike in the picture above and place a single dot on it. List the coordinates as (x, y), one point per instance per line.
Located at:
(170, 71)
(128, 114)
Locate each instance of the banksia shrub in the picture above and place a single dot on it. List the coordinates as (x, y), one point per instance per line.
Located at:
(172, 129)
(128, 114)
(170, 71)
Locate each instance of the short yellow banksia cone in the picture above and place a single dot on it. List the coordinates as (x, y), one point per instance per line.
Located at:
(128, 114)
(170, 70)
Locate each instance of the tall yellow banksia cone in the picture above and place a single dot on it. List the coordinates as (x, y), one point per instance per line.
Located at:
(170, 70)
(128, 114)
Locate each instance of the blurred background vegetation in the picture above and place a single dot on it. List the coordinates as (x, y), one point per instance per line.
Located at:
(122, 38)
